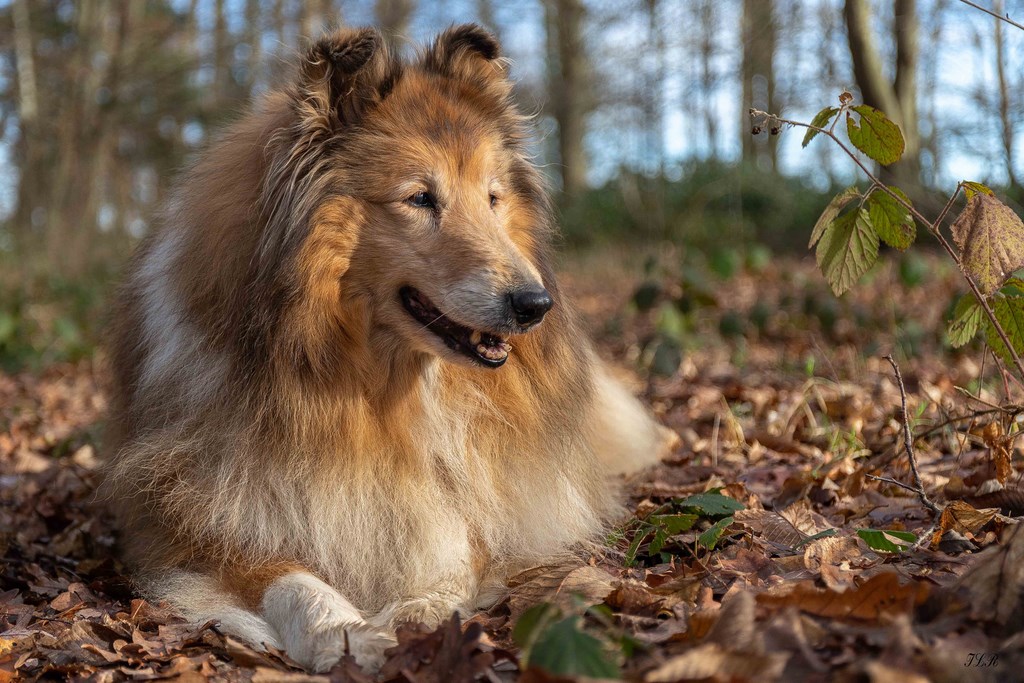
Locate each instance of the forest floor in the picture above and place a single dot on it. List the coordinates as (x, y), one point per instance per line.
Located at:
(762, 549)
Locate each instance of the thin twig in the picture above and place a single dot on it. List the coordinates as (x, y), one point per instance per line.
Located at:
(908, 442)
(1000, 17)
(894, 482)
(961, 418)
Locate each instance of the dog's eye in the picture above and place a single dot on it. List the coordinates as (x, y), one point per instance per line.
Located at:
(423, 200)
(494, 200)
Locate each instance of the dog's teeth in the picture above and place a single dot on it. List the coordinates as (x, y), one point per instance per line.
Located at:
(474, 337)
(492, 352)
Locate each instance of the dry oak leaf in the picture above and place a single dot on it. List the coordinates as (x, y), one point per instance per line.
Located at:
(771, 527)
(962, 518)
(991, 240)
(711, 661)
(996, 580)
(831, 557)
(558, 585)
(999, 446)
(881, 595)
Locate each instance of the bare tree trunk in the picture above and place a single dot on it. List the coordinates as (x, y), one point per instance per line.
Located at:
(29, 151)
(897, 99)
(221, 56)
(758, 79)
(567, 76)
(254, 39)
(1008, 137)
(485, 12)
(707, 49)
(28, 102)
(393, 18)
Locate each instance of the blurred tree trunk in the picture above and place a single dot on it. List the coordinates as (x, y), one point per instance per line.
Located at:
(758, 71)
(898, 98)
(1005, 120)
(393, 18)
(315, 17)
(221, 57)
(567, 77)
(254, 39)
(29, 150)
(708, 19)
(485, 12)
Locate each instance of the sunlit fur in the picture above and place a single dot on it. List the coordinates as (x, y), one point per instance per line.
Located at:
(276, 409)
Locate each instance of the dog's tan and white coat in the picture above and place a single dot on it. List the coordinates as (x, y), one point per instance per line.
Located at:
(307, 443)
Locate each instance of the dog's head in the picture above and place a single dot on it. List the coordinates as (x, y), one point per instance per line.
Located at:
(424, 213)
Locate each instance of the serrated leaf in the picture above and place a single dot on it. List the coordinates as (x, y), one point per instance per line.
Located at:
(876, 136)
(847, 249)
(1009, 311)
(967, 318)
(711, 504)
(565, 650)
(1013, 287)
(675, 524)
(972, 188)
(820, 120)
(709, 539)
(634, 546)
(892, 220)
(533, 622)
(887, 541)
(831, 211)
(991, 240)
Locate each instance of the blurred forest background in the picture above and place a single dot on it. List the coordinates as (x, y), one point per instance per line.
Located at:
(640, 105)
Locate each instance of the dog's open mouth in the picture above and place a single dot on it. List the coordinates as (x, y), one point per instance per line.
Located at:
(483, 347)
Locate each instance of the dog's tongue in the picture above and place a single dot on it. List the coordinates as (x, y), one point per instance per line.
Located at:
(491, 347)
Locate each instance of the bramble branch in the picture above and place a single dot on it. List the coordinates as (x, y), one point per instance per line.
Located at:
(932, 227)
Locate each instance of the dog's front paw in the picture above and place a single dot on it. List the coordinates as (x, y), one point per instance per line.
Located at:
(368, 644)
(322, 649)
(431, 611)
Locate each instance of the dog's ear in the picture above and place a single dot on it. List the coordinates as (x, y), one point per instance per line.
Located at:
(344, 75)
(469, 52)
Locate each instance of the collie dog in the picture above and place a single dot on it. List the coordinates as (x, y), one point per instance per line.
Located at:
(348, 392)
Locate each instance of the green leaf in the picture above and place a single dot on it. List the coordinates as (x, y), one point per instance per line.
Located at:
(967, 318)
(847, 249)
(533, 622)
(887, 541)
(892, 220)
(565, 650)
(711, 503)
(972, 188)
(1009, 311)
(1013, 287)
(820, 120)
(667, 356)
(675, 524)
(991, 240)
(710, 538)
(876, 136)
(658, 542)
(670, 322)
(634, 546)
(831, 211)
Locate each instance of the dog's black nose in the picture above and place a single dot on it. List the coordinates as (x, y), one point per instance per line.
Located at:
(530, 305)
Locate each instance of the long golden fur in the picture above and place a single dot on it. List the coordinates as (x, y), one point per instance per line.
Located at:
(297, 455)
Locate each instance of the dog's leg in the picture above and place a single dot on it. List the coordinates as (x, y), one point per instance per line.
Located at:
(316, 623)
(293, 611)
